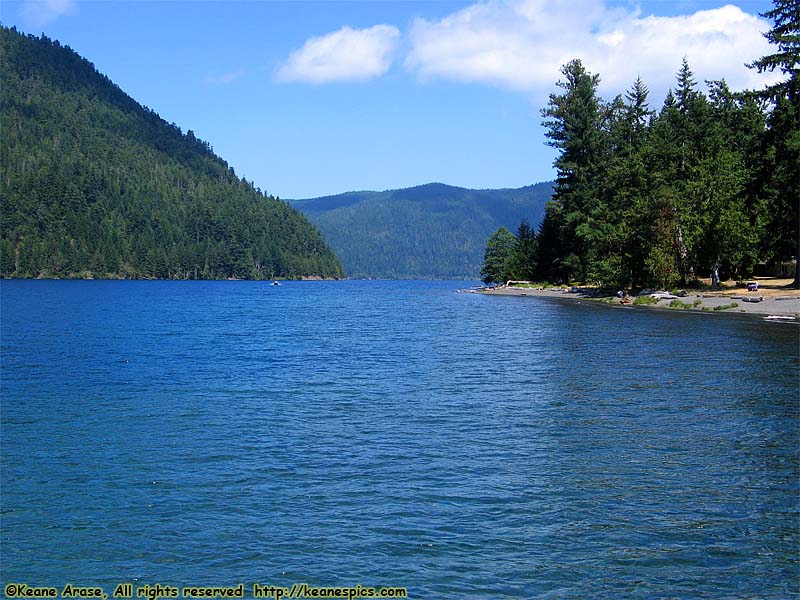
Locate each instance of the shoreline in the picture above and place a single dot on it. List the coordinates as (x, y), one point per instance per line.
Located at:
(772, 304)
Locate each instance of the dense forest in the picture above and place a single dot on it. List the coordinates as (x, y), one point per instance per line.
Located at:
(95, 185)
(431, 231)
(708, 186)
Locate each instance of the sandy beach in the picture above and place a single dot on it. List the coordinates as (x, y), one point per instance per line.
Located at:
(775, 299)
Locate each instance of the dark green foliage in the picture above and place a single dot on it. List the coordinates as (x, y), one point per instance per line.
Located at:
(524, 258)
(726, 306)
(426, 232)
(681, 305)
(785, 34)
(549, 250)
(573, 122)
(497, 260)
(511, 257)
(709, 184)
(780, 181)
(780, 174)
(644, 300)
(95, 185)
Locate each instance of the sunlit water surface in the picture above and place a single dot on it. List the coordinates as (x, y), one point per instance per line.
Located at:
(394, 434)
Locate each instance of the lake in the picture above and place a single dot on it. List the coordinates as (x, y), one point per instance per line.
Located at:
(394, 434)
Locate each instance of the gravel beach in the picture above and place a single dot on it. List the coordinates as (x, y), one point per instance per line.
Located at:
(775, 300)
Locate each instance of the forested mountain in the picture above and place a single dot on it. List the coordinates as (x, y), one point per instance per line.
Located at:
(95, 185)
(430, 231)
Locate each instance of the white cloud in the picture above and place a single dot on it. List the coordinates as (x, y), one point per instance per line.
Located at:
(523, 44)
(229, 77)
(38, 13)
(344, 55)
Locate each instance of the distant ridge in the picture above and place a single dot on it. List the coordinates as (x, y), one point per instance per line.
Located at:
(95, 185)
(431, 231)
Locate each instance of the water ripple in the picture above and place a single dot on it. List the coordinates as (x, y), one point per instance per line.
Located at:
(394, 433)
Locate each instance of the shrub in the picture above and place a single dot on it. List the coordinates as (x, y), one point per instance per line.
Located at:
(679, 304)
(726, 306)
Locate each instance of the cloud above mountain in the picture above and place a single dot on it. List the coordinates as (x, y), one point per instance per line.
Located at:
(344, 55)
(522, 44)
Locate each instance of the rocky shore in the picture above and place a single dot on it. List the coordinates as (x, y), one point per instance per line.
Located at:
(771, 299)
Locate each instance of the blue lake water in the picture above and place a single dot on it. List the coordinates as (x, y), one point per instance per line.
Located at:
(394, 434)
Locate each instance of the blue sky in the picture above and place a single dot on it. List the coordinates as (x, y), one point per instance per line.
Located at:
(314, 98)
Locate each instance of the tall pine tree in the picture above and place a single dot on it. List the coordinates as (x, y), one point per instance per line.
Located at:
(781, 174)
(573, 121)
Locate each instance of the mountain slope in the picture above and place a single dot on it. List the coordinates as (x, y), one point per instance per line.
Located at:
(95, 185)
(430, 231)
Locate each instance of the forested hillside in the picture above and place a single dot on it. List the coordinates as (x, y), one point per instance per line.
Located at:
(95, 185)
(430, 231)
(706, 186)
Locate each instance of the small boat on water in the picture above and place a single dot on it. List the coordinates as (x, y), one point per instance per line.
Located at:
(779, 318)
(275, 283)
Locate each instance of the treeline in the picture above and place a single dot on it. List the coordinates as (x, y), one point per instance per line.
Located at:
(431, 231)
(707, 186)
(95, 185)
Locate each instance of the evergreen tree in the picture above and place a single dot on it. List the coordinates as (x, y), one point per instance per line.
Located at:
(731, 232)
(573, 122)
(498, 257)
(781, 174)
(679, 145)
(644, 199)
(523, 260)
(785, 34)
(631, 185)
(548, 246)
